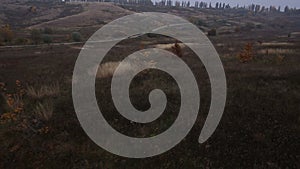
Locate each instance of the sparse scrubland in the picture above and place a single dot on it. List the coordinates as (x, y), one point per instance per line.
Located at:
(260, 127)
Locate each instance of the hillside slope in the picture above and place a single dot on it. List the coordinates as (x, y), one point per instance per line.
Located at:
(93, 14)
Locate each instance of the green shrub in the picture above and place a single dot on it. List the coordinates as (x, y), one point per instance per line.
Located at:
(259, 26)
(22, 41)
(201, 23)
(36, 35)
(76, 36)
(249, 26)
(237, 29)
(47, 39)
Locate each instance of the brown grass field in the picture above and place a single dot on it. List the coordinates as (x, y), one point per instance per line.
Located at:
(260, 127)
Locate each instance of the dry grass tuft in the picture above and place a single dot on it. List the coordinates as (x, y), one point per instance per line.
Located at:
(43, 91)
(107, 69)
(177, 50)
(44, 110)
(277, 44)
(277, 51)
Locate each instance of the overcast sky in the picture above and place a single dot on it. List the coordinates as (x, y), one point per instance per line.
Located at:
(282, 3)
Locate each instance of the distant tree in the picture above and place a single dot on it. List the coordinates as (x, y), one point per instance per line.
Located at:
(76, 36)
(257, 8)
(217, 5)
(263, 8)
(169, 3)
(252, 8)
(201, 4)
(273, 9)
(196, 4)
(6, 34)
(286, 9)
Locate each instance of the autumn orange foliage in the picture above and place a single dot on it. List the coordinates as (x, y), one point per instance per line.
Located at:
(247, 54)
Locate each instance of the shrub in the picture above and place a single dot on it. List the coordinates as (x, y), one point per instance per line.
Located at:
(36, 36)
(47, 39)
(259, 26)
(32, 9)
(6, 34)
(237, 29)
(212, 32)
(44, 91)
(249, 26)
(201, 23)
(279, 59)
(197, 21)
(22, 41)
(14, 101)
(76, 36)
(48, 31)
(247, 54)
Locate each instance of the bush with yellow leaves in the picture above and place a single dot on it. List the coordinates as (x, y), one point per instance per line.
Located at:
(6, 34)
(14, 101)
